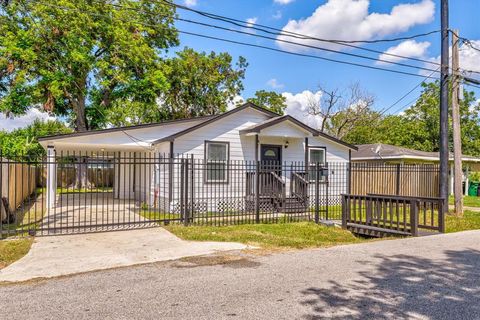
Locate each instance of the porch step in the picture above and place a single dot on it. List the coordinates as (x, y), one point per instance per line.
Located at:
(293, 205)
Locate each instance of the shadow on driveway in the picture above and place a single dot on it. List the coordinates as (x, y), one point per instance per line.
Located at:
(404, 287)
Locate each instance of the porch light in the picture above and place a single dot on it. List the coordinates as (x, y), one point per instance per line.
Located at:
(286, 144)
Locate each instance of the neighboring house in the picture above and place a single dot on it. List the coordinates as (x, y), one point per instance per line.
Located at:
(245, 134)
(385, 153)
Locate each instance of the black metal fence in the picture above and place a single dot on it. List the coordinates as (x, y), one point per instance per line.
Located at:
(89, 192)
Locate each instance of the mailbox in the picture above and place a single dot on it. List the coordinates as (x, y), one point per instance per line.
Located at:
(324, 172)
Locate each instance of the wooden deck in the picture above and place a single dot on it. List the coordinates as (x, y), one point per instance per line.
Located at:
(386, 215)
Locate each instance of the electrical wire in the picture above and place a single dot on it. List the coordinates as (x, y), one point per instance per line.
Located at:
(226, 19)
(260, 46)
(298, 44)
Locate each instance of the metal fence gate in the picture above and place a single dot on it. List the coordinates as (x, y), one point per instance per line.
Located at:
(68, 193)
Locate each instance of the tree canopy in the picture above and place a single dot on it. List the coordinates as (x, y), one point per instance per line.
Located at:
(75, 57)
(23, 142)
(269, 100)
(418, 126)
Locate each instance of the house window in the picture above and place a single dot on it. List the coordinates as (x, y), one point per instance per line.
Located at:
(216, 159)
(316, 155)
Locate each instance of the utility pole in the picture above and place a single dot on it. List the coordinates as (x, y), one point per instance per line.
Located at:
(444, 104)
(457, 142)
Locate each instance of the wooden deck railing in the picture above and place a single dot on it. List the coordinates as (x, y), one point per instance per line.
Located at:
(299, 186)
(380, 215)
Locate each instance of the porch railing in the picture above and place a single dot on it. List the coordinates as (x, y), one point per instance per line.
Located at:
(380, 215)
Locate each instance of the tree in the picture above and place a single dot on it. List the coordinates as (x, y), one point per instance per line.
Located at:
(341, 110)
(417, 127)
(198, 84)
(24, 141)
(269, 100)
(76, 58)
(201, 83)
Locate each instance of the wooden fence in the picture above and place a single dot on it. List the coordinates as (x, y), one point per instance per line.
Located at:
(18, 182)
(98, 177)
(419, 180)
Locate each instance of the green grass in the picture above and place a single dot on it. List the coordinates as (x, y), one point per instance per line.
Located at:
(153, 214)
(468, 201)
(66, 190)
(469, 221)
(12, 250)
(298, 235)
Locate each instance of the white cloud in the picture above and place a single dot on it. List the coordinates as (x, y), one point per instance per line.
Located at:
(351, 20)
(9, 124)
(277, 15)
(468, 57)
(250, 22)
(274, 84)
(190, 3)
(235, 102)
(297, 106)
(409, 48)
(283, 1)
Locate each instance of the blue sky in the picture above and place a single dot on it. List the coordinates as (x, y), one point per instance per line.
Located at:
(295, 74)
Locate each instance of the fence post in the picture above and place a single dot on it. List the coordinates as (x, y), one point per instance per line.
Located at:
(51, 177)
(186, 209)
(397, 186)
(414, 217)
(317, 193)
(344, 211)
(182, 190)
(192, 189)
(3, 211)
(441, 217)
(257, 191)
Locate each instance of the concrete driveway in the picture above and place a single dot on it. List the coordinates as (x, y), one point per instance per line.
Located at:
(53, 256)
(83, 212)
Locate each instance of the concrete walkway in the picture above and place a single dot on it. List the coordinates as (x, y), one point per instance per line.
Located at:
(62, 255)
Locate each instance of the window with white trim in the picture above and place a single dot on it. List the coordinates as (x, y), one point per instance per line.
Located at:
(316, 155)
(216, 159)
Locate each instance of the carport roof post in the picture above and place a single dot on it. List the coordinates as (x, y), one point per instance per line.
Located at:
(51, 177)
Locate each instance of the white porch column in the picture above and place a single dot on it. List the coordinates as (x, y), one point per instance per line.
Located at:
(51, 177)
(450, 191)
(466, 180)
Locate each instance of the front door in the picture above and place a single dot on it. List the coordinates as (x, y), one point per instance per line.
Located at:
(271, 158)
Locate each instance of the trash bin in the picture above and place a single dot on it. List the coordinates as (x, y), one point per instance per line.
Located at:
(473, 189)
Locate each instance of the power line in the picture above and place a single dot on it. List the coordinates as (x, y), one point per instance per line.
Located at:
(303, 37)
(227, 19)
(299, 44)
(260, 46)
(301, 54)
(309, 46)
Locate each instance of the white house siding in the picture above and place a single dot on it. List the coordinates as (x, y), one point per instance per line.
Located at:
(242, 148)
(162, 177)
(230, 196)
(337, 159)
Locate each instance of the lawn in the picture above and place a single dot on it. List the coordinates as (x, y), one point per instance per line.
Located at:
(298, 235)
(67, 190)
(469, 221)
(468, 201)
(12, 250)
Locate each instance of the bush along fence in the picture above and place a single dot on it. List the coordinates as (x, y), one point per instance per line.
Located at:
(87, 192)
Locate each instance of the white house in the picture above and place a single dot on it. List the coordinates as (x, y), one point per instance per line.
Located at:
(147, 158)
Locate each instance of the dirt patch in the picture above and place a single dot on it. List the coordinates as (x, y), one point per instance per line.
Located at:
(227, 260)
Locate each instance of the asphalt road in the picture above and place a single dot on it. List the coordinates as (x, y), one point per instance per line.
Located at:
(435, 277)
